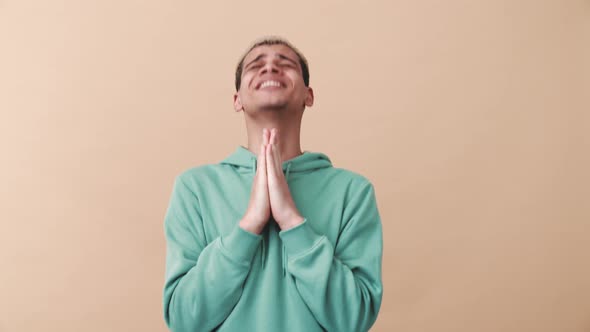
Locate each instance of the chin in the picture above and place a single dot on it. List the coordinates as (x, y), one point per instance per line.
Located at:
(273, 106)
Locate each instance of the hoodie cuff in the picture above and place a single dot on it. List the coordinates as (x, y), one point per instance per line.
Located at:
(299, 238)
(240, 244)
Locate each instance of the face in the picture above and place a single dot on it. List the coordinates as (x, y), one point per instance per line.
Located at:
(272, 80)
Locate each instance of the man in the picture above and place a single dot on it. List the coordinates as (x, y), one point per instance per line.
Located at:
(272, 238)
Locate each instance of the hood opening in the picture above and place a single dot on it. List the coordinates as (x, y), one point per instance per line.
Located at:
(245, 161)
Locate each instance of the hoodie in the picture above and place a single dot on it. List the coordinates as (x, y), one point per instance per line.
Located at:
(321, 275)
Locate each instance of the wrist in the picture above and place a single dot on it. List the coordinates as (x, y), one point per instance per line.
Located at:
(292, 222)
(249, 226)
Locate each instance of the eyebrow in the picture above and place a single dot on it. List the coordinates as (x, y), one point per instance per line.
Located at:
(260, 56)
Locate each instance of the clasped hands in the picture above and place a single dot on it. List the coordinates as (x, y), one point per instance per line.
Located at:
(270, 193)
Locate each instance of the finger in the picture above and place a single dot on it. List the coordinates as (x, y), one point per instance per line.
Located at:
(272, 135)
(263, 151)
(275, 160)
(264, 136)
(276, 141)
(261, 165)
(270, 165)
(275, 154)
(277, 150)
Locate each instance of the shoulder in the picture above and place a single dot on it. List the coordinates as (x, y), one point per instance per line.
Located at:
(353, 180)
(196, 174)
(353, 185)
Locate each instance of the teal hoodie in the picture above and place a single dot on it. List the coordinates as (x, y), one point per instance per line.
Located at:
(321, 275)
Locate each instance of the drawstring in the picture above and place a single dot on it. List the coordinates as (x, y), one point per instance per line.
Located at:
(283, 251)
(284, 260)
(262, 256)
(288, 170)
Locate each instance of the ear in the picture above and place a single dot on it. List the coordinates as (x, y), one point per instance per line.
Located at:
(238, 103)
(309, 97)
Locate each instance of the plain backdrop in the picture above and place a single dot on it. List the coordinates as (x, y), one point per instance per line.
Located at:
(470, 118)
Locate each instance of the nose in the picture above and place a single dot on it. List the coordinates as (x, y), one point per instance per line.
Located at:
(271, 67)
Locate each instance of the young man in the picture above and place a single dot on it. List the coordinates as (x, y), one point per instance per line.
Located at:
(272, 238)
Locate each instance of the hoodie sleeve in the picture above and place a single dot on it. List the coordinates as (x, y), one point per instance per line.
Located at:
(203, 282)
(341, 283)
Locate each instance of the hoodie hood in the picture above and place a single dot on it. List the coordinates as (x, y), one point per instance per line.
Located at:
(245, 161)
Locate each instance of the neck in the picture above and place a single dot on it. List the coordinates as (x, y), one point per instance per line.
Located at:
(289, 131)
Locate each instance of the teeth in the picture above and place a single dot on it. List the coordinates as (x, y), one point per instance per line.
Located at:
(269, 83)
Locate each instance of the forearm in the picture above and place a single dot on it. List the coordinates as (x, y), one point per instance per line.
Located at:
(200, 296)
(342, 298)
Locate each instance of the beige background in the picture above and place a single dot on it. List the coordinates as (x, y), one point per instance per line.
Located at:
(470, 117)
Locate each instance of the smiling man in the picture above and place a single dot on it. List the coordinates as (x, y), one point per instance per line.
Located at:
(272, 238)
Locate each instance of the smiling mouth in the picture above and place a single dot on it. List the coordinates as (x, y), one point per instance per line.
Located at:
(270, 84)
